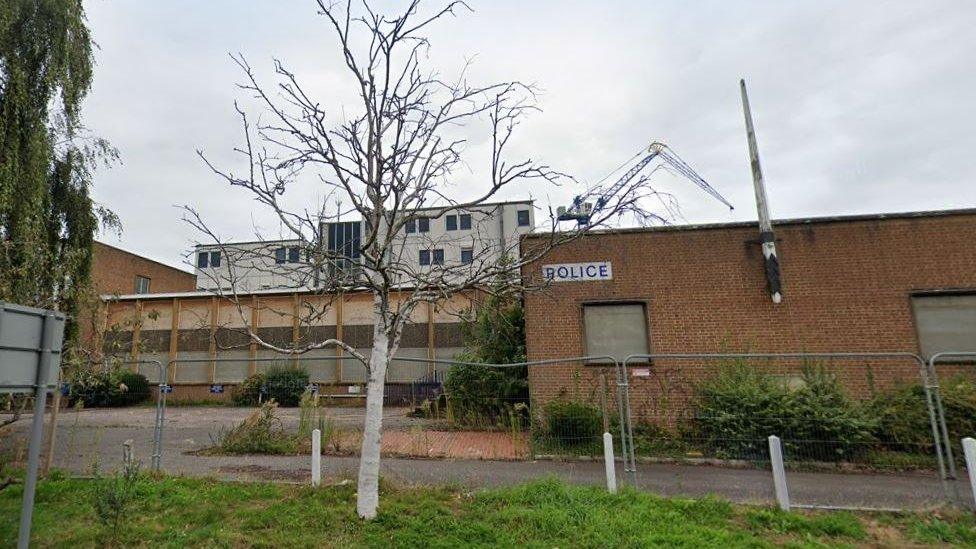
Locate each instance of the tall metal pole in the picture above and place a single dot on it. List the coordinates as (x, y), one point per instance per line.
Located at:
(766, 236)
(37, 431)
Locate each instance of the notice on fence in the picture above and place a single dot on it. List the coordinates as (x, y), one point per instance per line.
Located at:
(574, 272)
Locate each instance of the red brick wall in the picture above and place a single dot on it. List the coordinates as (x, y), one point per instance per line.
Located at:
(114, 272)
(847, 286)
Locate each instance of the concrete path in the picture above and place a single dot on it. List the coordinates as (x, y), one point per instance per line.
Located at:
(93, 438)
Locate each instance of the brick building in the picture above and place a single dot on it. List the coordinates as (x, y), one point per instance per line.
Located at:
(116, 271)
(898, 282)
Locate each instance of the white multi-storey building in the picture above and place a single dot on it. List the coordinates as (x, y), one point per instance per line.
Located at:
(476, 235)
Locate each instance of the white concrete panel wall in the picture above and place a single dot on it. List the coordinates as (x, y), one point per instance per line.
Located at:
(235, 369)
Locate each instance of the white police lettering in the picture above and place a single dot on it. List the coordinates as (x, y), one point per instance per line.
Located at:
(573, 272)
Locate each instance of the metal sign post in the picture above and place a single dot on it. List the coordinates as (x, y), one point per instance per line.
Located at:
(30, 355)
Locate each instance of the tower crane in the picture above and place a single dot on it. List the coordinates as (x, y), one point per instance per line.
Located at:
(582, 211)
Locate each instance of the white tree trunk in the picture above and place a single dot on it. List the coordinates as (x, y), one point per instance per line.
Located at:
(367, 498)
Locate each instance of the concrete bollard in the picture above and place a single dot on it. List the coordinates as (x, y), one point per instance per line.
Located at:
(969, 450)
(316, 457)
(608, 461)
(779, 473)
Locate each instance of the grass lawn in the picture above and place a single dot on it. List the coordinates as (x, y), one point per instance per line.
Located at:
(178, 512)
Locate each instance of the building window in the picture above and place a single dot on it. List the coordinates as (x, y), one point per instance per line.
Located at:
(423, 224)
(215, 259)
(202, 260)
(411, 226)
(425, 257)
(945, 323)
(465, 222)
(142, 284)
(280, 255)
(451, 222)
(467, 255)
(293, 255)
(615, 329)
(523, 218)
(438, 256)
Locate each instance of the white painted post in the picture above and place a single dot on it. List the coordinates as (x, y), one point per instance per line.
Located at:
(608, 461)
(969, 449)
(316, 457)
(779, 473)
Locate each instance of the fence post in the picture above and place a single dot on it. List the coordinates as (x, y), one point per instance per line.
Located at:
(609, 463)
(779, 473)
(316, 457)
(969, 450)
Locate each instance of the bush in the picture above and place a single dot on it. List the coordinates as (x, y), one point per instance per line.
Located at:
(572, 423)
(286, 385)
(118, 387)
(248, 393)
(738, 410)
(903, 416)
(483, 394)
(260, 433)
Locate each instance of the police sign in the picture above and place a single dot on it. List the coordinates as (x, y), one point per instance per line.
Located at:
(573, 272)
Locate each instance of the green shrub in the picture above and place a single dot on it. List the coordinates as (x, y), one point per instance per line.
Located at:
(286, 385)
(903, 416)
(480, 395)
(737, 410)
(117, 387)
(248, 393)
(572, 423)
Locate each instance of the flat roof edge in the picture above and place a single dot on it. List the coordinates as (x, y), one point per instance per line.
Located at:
(781, 222)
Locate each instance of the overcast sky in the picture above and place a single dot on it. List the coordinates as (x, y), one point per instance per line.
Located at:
(859, 107)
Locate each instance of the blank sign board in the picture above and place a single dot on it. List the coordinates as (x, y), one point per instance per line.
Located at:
(21, 332)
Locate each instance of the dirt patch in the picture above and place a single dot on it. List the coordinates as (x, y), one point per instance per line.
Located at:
(263, 472)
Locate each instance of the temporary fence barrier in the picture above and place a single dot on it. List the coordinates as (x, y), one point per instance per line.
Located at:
(737, 434)
(643, 393)
(949, 438)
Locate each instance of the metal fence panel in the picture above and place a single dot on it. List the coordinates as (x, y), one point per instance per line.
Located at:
(829, 409)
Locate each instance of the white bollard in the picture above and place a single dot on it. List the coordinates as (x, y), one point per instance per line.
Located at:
(779, 473)
(610, 465)
(969, 450)
(316, 457)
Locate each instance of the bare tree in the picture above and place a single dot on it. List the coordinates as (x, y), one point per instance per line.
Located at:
(391, 163)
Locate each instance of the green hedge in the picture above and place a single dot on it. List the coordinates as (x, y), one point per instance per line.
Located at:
(248, 393)
(118, 387)
(903, 417)
(736, 412)
(480, 395)
(286, 385)
(572, 423)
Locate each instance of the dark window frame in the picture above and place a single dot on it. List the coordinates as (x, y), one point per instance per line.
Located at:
(411, 226)
(202, 260)
(139, 278)
(294, 254)
(470, 254)
(464, 222)
(519, 220)
(423, 224)
(451, 222)
(280, 255)
(437, 256)
(215, 259)
(424, 257)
